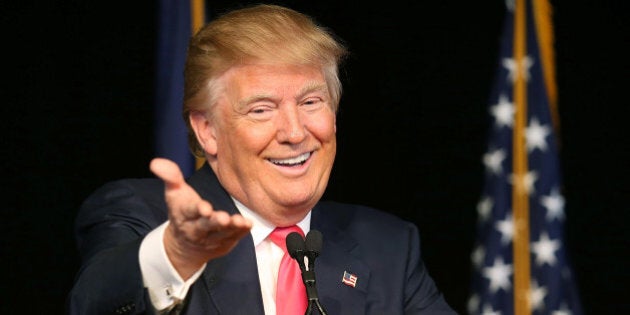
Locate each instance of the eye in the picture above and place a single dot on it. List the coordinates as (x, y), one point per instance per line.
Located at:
(312, 103)
(260, 112)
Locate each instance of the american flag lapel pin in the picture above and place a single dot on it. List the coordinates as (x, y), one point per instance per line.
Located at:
(349, 279)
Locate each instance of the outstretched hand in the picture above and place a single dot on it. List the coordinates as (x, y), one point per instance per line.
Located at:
(196, 232)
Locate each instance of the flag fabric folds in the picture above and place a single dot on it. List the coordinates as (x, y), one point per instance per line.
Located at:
(174, 30)
(520, 262)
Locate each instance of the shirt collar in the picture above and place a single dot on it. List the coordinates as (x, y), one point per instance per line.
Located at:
(261, 228)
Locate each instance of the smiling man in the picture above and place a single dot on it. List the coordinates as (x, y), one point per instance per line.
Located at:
(261, 95)
(271, 140)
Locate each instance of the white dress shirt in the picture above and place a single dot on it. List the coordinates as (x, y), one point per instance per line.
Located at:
(166, 288)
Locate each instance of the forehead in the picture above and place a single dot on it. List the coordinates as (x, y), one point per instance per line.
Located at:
(245, 84)
(270, 77)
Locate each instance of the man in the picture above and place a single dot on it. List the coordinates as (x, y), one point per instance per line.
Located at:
(261, 93)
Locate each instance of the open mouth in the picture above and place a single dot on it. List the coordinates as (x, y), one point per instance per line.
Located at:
(298, 160)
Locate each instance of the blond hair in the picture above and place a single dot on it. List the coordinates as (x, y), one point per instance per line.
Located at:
(260, 33)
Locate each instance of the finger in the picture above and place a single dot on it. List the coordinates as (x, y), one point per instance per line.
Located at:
(226, 238)
(218, 221)
(238, 227)
(202, 209)
(240, 222)
(168, 171)
(223, 225)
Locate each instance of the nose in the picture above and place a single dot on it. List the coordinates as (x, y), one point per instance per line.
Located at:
(290, 126)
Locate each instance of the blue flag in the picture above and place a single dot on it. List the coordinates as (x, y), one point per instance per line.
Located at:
(174, 31)
(520, 263)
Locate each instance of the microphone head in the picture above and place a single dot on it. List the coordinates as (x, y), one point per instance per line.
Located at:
(295, 245)
(314, 242)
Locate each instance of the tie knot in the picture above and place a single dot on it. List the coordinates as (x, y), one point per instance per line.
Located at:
(279, 235)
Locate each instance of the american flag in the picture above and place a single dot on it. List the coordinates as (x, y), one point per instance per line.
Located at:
(520, 263)
(349, 279)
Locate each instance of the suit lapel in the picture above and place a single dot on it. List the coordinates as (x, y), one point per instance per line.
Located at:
(207, 185)
(231, 282)
(340, 253)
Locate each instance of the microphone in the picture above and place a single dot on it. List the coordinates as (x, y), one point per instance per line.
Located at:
(298, 248)
(313, 247)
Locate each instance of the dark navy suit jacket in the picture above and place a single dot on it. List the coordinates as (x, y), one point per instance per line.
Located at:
(381, 250)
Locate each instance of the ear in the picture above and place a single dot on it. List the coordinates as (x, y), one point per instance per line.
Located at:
(204, 130)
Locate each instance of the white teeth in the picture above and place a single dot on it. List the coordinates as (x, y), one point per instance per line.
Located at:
(292, 161)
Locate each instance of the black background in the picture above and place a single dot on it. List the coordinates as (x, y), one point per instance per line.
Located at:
(78, 99)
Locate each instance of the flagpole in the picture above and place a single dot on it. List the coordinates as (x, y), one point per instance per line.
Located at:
(198, 18)
(520, 201)
(542, 17)
(197, 14)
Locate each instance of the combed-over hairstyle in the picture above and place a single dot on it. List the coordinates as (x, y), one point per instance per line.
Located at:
(260, 33)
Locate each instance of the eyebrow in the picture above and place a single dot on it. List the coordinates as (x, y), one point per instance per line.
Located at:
(254, 98)
(313, 87)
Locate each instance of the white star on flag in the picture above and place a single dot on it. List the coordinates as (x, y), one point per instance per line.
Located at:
(499, 275)
(562, 311)
(545, 250)
(503, 112)
(554, 203)
(473, 304)
(484, 207)
(477, 256)
(511, 65)
(528, 181)
(510, 5)
(488, 310)
(493, 160)
(537, 296)
(535, 134)
(506, 227)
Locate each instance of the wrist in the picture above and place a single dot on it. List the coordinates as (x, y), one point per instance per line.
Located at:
(185, 258)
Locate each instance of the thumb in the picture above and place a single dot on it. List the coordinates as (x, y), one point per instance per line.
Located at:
(168, 171)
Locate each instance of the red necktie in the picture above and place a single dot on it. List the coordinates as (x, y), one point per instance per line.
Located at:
(290, 292)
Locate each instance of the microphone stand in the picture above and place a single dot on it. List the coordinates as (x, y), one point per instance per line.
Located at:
(313, 247)
(308, 277)
(311, 293)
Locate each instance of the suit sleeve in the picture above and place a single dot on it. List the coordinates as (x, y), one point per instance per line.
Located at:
(110, 227)
(421, 294)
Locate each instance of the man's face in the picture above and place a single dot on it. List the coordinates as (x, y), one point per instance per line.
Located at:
(272, 139)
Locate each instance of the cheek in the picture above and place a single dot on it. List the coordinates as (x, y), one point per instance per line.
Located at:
(323, 129)
(251, 138)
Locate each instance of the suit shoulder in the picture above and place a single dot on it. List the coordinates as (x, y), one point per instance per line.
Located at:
(123, 196)
(146, 188)
(348, 215)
